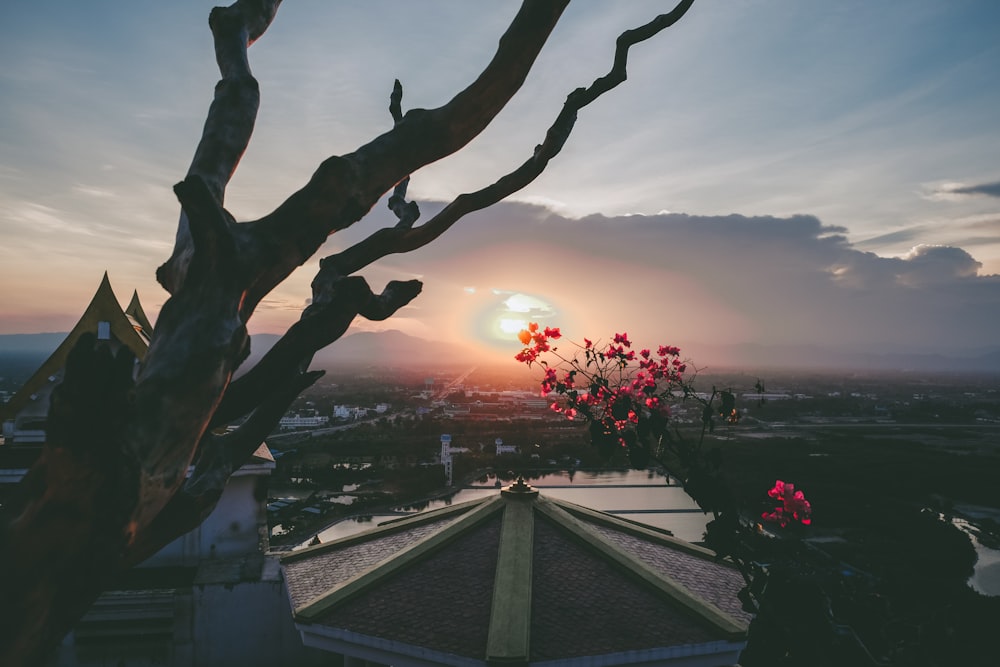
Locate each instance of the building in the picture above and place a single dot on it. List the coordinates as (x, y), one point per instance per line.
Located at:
(198, 600)
(446, 456)
(505, 449)
(517, 579)
(350, 413)
(24, 415)
(299, 421)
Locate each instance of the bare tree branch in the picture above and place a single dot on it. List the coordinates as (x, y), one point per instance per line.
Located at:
(231, 116)
(405, 238)
(220, 456)
(268, 390)
(336, 302)
(345, 188)
(106, 493)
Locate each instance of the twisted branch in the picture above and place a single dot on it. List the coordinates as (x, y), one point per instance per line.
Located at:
(231, 116)
(405, 238)
(217, 274)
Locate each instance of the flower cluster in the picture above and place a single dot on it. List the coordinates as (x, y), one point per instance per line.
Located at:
(793, 508)
(535, 342)
(614, 387)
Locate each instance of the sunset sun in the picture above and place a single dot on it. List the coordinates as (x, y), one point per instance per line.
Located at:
(498, 324)
(510, 325)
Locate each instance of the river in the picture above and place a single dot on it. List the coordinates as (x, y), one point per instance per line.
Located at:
(639, 495)
(985, 577)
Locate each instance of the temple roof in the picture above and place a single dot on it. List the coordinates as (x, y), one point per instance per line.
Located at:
(516, 578)
(130, 327)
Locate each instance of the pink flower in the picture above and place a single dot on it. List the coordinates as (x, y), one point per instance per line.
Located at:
(552, 332)
(794, 506)
(549, 381)
(622, 338)
(527, 355)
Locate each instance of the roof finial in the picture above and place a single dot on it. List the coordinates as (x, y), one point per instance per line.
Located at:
(519, 488)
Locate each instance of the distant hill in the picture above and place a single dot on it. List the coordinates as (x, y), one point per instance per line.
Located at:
(21, 354)
(39, 343)
(756, 356)
(386, 348)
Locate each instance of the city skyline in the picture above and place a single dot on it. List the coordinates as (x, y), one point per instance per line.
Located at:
(770, 172)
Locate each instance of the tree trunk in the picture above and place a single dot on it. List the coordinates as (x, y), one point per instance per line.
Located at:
(112, 486)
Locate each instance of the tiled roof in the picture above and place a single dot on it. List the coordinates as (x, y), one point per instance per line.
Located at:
(461, 578)
(711, 580)
(583, 605)
(516, 578)
(262, 454)
(319, 572)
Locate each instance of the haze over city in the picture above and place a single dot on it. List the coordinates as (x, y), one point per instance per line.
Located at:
(772, 172)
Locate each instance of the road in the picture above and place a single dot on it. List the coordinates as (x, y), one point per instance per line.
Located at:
(451, 386)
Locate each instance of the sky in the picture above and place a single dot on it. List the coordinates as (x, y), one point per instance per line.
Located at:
(773, 172)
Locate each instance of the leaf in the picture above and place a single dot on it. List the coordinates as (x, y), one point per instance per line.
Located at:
(728, 403)
(621, 407)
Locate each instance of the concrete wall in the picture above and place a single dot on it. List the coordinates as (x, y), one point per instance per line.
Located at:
(237, 526)
(244, 624)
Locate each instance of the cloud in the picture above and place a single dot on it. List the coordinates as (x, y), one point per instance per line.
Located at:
(989, 224)
(926, 264)
(100, 193)
(987, 189)
(675, 278)
(42, 219)
(907, 235)
(959, 191)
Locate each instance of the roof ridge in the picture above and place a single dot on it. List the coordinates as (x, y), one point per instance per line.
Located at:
(385, 528)
(509, 638)
(640, 530)
(134, 309)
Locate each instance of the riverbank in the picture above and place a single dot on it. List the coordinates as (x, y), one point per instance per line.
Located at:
(385, 503)
(487, 480)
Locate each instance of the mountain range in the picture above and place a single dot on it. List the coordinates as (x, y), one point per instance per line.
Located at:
(394, 348)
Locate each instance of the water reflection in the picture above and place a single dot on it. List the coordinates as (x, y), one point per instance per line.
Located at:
(639, 495)
(985, 577)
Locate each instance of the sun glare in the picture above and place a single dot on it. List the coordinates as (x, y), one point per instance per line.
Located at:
(509, 325)
(523, 303)
(497, 324)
